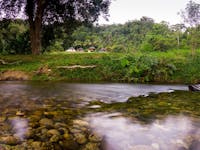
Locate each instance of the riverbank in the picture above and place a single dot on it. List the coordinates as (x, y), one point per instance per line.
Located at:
(176, 66)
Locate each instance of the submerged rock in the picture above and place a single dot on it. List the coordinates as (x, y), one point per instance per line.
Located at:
(54, 138)
(95, 138)
(2, 119)
(91, 146)
(9, 140)
(67, 136)
(53, 132)
(80, 138)
(36, 144)
(81, 123)
(20, 113)
(59, 124)
(46, 122)
(70, 145)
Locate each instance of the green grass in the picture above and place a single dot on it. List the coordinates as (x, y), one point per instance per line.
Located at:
(175, 66)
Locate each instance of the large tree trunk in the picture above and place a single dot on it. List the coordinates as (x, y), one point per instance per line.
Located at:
(35, 37)
(35, 28)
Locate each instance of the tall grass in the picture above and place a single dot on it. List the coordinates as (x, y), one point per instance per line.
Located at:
(175, 66)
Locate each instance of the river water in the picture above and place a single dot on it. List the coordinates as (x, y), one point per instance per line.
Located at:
(56, 101)
(106, 92)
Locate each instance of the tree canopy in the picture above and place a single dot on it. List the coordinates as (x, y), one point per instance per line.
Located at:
(39, 12)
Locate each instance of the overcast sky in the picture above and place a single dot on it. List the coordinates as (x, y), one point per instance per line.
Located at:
(122, 11)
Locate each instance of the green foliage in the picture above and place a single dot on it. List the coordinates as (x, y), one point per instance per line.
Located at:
(57, 45)
(171, 66)
(143, 34)
(139, 35)
(14, 37)
(191, 16)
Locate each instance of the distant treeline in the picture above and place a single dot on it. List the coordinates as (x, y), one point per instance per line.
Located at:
(136, 35)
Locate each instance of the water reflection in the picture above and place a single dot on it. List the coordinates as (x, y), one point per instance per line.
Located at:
(109, 92)
(172, 133)
(20, 127)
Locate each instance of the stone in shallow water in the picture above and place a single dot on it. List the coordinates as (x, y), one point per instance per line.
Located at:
(46, 122)
(95, 138)
(36, 144)
(91, 146)
(53, 132)
(80, 138)
(9, 140)
(75, 131)
(63, 131)
(67, 136)
(29, 133)
(70, 145)
(59, 124)
(20, 113)
(94, 106)
(81, 123)
(54, 138)
(2, 119)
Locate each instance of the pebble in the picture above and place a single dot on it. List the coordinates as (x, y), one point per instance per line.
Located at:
(20, 113)
(80, 138)
(36, 144)
(81, 123)
(53, 132)
(46, 122)
(67, 136)
(91, 146)
(95, 138)
(94, 106)
(54, 139)
(9, 140)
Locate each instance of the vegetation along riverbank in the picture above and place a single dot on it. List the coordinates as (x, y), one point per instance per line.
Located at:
(175, 66)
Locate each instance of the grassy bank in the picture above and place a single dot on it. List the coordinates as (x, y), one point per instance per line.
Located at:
(176, 66)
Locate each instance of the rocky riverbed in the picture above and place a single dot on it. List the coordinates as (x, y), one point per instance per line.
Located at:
(156, 122)
(51, 126)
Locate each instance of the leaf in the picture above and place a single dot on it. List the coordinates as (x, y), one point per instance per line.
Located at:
(124, 62)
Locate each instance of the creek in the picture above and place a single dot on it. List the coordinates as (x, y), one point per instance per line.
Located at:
(58, 115)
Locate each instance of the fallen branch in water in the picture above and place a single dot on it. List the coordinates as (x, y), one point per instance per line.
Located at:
(3, 62)
(76, 66)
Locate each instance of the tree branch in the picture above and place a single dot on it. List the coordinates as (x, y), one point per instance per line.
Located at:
(3, 62)
(75, 67)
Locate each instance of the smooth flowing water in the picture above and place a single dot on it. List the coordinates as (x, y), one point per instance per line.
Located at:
(55, 115)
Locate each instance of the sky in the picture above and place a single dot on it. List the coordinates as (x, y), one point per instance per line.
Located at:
(122, 11)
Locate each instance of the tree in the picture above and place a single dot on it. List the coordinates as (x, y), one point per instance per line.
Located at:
(178, 29)
(14, 37)
(191, 16)
(40, 12)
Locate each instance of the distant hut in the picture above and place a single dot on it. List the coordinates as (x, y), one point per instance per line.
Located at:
(91, 49)
(71, 49)
(102, 50)
(80, 49)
